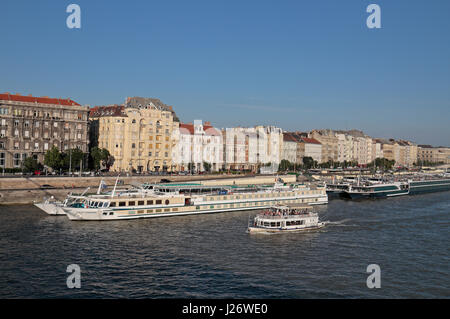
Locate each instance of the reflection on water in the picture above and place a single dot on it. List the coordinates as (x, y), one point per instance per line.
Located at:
(213, 256)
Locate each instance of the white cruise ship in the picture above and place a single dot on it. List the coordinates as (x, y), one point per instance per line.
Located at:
(186, 199)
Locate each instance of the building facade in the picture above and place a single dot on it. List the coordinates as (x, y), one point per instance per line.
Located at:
(30, 126)
(309, 147)
(329, 143)
(250, 148)
(198, 144)
(137, 134)
(430, 154)
(289, 151)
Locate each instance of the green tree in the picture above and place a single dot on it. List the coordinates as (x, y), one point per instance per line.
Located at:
(308, 162)
(207, 167)
(285, 165)
(53, 158)
(75, 156)
(99, 157)
(30, 165)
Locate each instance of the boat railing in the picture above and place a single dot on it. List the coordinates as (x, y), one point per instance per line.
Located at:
(275, 217)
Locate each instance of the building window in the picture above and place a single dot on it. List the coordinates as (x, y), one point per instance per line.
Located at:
(2, 159)
(16, 161)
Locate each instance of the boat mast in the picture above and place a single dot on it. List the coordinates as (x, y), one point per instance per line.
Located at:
(115, 185)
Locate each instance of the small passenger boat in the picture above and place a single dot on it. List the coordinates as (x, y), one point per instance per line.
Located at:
(285, 219)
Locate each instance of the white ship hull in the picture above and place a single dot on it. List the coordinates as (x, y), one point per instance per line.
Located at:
(253, 229)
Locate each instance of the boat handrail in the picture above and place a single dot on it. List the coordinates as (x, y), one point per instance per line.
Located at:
(262, 216)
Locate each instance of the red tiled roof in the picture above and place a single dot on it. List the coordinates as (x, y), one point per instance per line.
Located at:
(34, 99)
(289, 137)
(310, 140)
(189, 127)
(208, 129)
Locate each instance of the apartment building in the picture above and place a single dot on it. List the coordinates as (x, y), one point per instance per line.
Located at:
(289, 151)
(29, 126)
(329, 142)
(197, 143)
(138, 134)
(309, 147)
(428, 153)
(249, 148)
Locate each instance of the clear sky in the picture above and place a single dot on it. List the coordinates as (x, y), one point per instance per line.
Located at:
(296, 64)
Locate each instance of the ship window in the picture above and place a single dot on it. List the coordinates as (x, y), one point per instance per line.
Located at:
(167, 202)
(197, 207)
(212, 206)
(111, 213)
(278, 224)
(113, 204)
(105, 213)
(158, 202)
(131, 203)
(266, 223)
(149, 210)
(272, 224)
(175, 209)
(158, 210)
(122, 203)
(149, 202)
(141, 203)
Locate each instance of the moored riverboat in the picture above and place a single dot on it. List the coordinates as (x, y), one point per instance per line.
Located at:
(187, 200)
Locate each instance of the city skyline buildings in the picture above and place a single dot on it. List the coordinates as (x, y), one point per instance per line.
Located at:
(297, 64)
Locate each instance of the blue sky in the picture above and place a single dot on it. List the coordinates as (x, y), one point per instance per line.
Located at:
(295, 64)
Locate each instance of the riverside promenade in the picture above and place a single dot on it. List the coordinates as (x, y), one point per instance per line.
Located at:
(26, 190)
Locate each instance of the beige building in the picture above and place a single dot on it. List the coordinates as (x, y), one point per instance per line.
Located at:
(310, 147)
(329, 142)
(404, 153)
(138, 134)
(30, 126)
(428, 153)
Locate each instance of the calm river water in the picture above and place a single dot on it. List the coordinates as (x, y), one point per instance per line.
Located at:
(212, 256)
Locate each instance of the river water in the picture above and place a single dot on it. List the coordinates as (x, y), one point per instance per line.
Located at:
(212, 256)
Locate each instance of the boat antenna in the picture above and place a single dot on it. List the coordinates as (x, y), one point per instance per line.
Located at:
(115, 185)
(85, 191)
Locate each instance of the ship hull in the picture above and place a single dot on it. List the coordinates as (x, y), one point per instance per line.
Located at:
(284, 230)
(422, 187)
